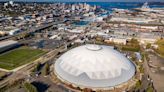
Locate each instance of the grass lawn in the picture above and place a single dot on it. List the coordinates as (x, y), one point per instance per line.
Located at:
(18, 57)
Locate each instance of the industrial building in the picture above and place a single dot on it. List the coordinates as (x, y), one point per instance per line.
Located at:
(7, 45)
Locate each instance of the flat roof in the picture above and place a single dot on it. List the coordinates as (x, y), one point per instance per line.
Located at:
(7, 43)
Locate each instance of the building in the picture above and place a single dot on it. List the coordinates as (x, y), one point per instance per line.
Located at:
(117, 40)
(95, 67)
(7, 45)
(131, 20)
(14, 31)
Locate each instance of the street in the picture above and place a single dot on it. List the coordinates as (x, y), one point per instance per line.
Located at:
(156, 75)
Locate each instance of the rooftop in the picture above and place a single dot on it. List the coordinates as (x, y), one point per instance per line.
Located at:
(7, 43)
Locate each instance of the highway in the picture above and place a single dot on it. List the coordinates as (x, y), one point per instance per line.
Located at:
(31, 30)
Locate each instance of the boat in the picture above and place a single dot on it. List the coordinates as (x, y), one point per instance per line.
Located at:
(145, 7)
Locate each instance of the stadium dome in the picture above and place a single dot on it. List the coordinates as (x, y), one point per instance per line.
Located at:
(94, 66)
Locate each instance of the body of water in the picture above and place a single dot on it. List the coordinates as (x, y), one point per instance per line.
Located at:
(123, 5)
(81, 23)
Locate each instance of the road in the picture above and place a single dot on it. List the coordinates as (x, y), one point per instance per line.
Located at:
(156, 76)
(32, 29)
(24, 71)
(145, 81)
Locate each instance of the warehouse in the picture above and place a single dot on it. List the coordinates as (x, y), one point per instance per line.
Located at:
(7, 45)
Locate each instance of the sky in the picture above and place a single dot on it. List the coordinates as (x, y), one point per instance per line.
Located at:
(91, 0)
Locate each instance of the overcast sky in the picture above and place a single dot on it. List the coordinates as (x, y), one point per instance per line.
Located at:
(93, 0)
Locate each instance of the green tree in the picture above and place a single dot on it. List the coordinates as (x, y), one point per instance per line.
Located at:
(138, 84)
(148, 46)
(149, 89)
(132, 45)
(29, 87)
(45, 69)
(160, 49)
(37, 67)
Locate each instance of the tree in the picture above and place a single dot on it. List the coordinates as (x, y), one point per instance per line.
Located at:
(160, 49)
(37, 67)
(132, 45)
(45, 69)
(149, 89)
(138, 84)
(115, 47)
(148, 46)
(29, 87)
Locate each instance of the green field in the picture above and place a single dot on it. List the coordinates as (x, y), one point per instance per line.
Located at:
(18, 57)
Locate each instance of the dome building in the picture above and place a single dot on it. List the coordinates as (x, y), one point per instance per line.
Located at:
(94, 66)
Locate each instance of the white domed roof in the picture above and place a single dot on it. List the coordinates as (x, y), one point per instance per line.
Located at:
(94, 66)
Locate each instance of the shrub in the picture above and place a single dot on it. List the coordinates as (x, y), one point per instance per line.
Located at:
(138, 84)
(45, 69)
(160, 48)
(29, 87)
(149, 89)
(130, 48)
(148, 46)
(132, 45)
